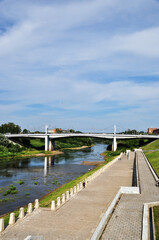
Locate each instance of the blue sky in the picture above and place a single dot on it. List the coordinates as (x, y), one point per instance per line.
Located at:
(84, 64)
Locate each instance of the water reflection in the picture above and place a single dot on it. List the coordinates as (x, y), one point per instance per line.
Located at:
(45, 166)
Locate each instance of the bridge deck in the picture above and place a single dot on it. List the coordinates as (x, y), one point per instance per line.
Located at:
(78, 218)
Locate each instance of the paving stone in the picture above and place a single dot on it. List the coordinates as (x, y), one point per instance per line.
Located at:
(126, 221)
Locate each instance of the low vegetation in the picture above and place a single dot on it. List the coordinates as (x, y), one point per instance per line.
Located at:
(20, 182)
(12, 190)
(7, 147)
(156, 221)
(152, 146)
(153, 156)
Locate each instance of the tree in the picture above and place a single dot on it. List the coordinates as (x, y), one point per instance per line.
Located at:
(25, 131)
(10, 128)
(72, 131)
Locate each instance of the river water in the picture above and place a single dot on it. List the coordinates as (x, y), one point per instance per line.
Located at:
(36, 176)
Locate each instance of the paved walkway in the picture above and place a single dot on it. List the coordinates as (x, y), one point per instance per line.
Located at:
(126, 221)
(78, 218)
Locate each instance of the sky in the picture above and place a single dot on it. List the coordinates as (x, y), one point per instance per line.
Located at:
(81, 64)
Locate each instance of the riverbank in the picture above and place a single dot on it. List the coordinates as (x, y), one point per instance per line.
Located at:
(52, 153)
(78, 148)
(38, 153)
(29, 153)
(97, 163)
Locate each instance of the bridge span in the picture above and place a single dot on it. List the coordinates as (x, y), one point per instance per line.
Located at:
(50, 138)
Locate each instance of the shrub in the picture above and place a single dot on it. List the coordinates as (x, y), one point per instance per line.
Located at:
(3, 149)
(4, 141)
(14, 148)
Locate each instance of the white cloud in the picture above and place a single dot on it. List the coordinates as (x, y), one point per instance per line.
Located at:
(49, 53)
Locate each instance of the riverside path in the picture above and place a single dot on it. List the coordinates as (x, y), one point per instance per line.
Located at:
(126, 221)
(78, 218)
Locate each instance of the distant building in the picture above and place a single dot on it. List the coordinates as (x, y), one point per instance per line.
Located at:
(50, 131)
(156, 131)
(151, 130)
(55, 130)
(58, 130)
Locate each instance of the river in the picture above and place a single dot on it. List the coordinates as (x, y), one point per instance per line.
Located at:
(34, 177)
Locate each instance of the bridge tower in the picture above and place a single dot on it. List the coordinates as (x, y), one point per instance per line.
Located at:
(49, 143)
(114, 143)
(46, 138)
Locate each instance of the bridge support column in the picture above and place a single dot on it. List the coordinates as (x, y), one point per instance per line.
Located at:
(46, 143)
(51, 145)
(114, 144)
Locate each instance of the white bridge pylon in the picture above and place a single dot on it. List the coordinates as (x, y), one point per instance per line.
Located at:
(114, 143)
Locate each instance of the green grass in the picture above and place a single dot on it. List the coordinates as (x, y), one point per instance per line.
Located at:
(152, 146)
(153, 158)
(37, 143)
(28, 152)
(156, 220)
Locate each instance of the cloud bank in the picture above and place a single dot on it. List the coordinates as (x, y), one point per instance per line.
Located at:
(79, 64)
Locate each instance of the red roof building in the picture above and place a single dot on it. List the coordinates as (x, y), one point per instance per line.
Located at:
(151, 130)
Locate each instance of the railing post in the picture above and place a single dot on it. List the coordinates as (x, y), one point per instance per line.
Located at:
(53, 205)
(12, 218)
(21, 212)
(1, 224)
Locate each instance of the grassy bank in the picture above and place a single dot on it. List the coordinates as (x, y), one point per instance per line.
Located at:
(46, 200)
(152, 146)
(156, 221)
(24, 153)
(153, 158)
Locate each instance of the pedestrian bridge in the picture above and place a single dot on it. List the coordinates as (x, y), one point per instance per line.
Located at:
(50, 138)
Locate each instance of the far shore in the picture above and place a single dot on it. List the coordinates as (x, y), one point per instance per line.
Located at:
(42, 154)
(56, 152)
(91, 163)
(78, 148)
